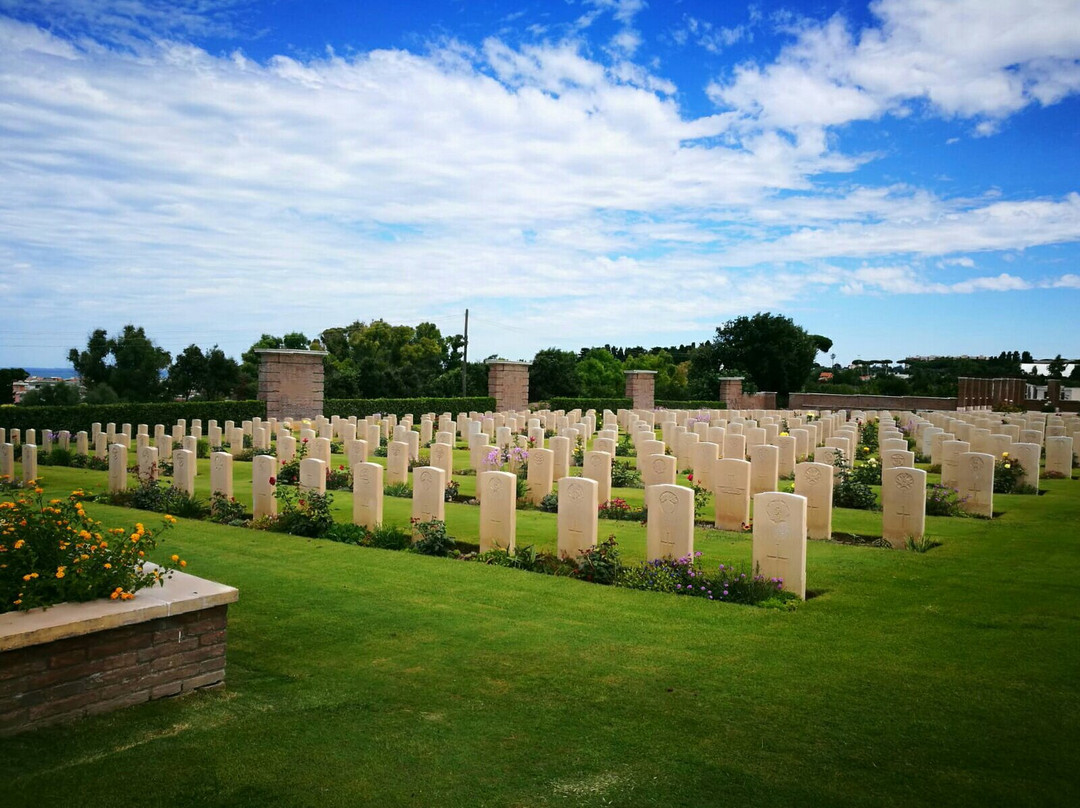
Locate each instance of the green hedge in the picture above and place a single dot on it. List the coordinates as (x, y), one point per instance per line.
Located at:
(694, 404)
(78, 418)
(584, 404)
(344, 407)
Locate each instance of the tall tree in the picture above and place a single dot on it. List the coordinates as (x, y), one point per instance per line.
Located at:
(129, 363)
(553, 373)
(9, 376)
(777, 354)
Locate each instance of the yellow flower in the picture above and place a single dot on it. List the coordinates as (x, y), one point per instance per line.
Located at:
(39, 490)
(1004, 454)
(183, 563)
(19, 544)
(170, 519)
(176, 558)
(108, 566)
(1008, 465)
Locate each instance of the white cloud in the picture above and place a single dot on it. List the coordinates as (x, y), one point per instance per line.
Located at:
(965, 58)
(228, 196)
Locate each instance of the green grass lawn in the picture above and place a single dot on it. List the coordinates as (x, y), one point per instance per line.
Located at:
(367, 677)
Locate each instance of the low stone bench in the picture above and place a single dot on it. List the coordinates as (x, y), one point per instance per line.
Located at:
(77, 659)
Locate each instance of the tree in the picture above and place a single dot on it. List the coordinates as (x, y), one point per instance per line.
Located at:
(671, 378)
(9, 376)
(211, 376)
(247, 384)
(553, 373)
(129, 363)
(372, 360)
(777, 354)
(187, 372)
(600, 375)
(1056, 368)
(58, 394)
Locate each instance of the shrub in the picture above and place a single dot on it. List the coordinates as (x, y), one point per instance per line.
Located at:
(868, 472)
(338, 479)
(53, 552)
(550, 503)
(941, 500)
(434, 540)
(600, 564)
(848, 492)
(452, 488)
(401, 407)
(625, 447)
(623, 476)
(152, 495)
(58, 456)
(388, 537)
(302, 514)
(869, 437)
(397, 490)
(618, 508)
(1008, 476)
(684, 576)
(226, 510)
(80, 417)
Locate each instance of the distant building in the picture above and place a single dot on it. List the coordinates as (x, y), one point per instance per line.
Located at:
(21, 388)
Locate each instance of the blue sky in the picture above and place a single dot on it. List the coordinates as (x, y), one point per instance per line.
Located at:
(902, 176)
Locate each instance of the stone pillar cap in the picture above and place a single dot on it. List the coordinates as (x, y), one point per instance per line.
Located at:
(506, 362)
(291, 351)
(650, 372)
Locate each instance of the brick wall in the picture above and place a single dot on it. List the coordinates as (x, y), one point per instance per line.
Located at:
(103, 671)
(838, 401)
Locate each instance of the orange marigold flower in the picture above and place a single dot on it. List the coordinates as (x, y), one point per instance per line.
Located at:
(176, 558)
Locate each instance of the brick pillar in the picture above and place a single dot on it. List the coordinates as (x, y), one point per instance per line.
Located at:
(731, 391)
(291, 382)
(1053, 392)
(508, 384)
(641, 387)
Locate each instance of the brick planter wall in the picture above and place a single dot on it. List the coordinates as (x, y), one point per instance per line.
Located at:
(80, 659)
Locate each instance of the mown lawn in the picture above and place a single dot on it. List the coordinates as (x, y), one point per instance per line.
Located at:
(367, 677)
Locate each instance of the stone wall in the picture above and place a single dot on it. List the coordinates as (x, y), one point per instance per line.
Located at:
(291, 382)
(838, 401)
(508, 384)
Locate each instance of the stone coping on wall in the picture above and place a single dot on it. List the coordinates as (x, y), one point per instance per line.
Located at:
(181, 593)
(293, 351)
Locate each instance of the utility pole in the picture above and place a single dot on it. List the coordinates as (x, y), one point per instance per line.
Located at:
(465, 358)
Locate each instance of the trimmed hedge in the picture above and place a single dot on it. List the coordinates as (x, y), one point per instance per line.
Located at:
(694, 404)
(585, 404)
(79, 418)
(344, 407)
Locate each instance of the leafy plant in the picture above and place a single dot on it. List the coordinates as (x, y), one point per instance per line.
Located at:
(684, 576)
(849, 492)
(397, 490)
(226, 510)
(1009, 476)
(306, 514)
(941, 500)
(624, 476)
(921, 545)
(600, 564)
(618, 508)
(54, 552)
(433, 540)
(550, 503)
